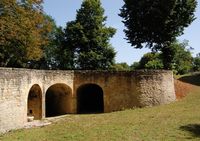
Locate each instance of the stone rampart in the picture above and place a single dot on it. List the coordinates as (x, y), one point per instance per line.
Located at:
(65, 92)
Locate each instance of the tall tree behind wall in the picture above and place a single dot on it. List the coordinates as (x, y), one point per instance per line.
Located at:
(196, 62)
(53, 55)
(24, 32)
(157, 23)
(182, 60)
(88, 38)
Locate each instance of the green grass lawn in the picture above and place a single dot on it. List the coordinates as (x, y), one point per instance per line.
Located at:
(178, 121)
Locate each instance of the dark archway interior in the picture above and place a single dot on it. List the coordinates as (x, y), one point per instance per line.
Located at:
(90, 99)
(35, 102)
(58, 100)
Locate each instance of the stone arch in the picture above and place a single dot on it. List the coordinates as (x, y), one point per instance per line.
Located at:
(90, 99)
(58, 99)
(35, 102)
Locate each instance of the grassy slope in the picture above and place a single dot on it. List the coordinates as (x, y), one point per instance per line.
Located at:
(178, 121)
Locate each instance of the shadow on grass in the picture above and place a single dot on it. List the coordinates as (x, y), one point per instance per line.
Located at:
(194, 129)
(193, 79)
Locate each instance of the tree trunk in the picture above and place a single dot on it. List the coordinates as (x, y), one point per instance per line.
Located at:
(167, 56)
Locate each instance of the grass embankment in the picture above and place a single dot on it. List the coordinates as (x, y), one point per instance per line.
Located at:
(177, 121)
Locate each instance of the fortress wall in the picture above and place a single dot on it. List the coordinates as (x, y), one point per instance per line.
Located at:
(13, 88)
(124, 90)
(121, 90)
(15, 85)
(155, 87)
(51, 78)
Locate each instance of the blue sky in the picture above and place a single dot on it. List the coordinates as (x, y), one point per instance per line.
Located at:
(65, 10)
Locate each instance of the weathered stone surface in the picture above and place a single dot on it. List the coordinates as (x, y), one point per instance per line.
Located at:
(121, 90)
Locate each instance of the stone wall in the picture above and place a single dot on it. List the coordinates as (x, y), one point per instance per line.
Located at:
(155, 87)
(121, 90)
(15, 85)
(124, 90)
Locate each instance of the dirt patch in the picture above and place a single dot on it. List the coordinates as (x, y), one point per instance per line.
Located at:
(182, 88)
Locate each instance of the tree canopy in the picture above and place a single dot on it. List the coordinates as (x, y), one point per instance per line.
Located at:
(151, 60)
(181, 63)
(87, 38)
(24, 32)
(121, 67)
(30, 38)
(196, 63)
(157, 23)
(52, 52)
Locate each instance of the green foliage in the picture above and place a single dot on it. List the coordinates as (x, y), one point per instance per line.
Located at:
(121, 67)
(154, 64)
(87, 38)
(50, 57)
(29, 38)
(135, 66)
(157, 23)
(151, 61)
(62, 54)
(24, 32)
(196, 63)
(182, 61)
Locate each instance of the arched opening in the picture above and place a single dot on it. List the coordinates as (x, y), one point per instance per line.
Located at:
(58, 98)
(35, 102)
(90, 99)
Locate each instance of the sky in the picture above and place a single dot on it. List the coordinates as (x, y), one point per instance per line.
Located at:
(63, 11)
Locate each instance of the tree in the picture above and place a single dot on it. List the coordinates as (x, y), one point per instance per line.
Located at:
(196, 63)
(65, 52)
(151, 60)
(157, 23)
(87, 38)
(135, 66)
(181, 63)
(53, 54)
(182, 60)
(121, 66)
(24, 32)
